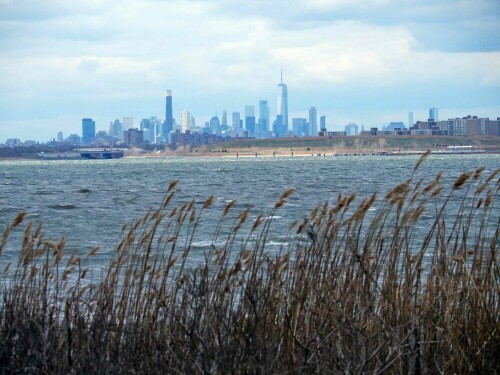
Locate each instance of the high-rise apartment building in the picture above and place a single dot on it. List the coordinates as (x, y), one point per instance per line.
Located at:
(313, 122)
(60, 137)
(282, 103)
(263, 116)
(88, 130)
(433, 114)
(168, 124)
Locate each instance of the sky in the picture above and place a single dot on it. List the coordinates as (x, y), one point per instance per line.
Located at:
(362, 61)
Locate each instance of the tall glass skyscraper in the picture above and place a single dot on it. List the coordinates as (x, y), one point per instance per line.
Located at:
(313, 122)
(168, 124)
(433, 114)
(263, 116)
(282, 104)
(88, 130)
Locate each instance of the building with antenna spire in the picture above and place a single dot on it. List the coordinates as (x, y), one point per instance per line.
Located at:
(282, 108)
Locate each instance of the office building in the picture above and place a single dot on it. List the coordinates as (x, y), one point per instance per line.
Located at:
(299, 127)
(250, 120)
(263, 116)
(282, 103)
(235, 123)
(60, 137)
(433, 114)
(322, 123)
(313, 122)
(133, 137)
(215, 125)
(88, 130)
(351, 129)
(168, 124)
(224, 119)
(410, 119)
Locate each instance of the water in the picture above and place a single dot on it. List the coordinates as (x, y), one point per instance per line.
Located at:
(88, 201)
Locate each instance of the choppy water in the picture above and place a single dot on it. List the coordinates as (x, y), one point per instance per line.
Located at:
(88, 201)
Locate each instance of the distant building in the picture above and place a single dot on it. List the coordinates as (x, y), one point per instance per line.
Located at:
(235, 123)
(88, 130)
(250, 120)
(185, 121)
(224, 119)
(282, 104)
(279, 128)
(133, 137)
(74, 139)
(168, 124)
(215, 125)
(410, 119)
(397, 125)
(433, 114)
(313, 122)
(128, 123)
(60, 137)
(263, 116)
(299, 127)
(322, 123)
(351, 129)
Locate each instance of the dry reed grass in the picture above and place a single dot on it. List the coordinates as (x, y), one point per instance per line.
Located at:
(351, 294)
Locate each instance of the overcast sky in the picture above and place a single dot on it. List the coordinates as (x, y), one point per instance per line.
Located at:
(362, 61)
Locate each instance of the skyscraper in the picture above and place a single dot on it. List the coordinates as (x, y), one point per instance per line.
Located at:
(263, 116)
(236, 123)
(224, 119)
(410, 119)
(433, 114)
(168, 124)
(250, 120)
(282, 103)
(185, 121)
(88, 130)
(322, 123)
(313, 122)
(128, 123)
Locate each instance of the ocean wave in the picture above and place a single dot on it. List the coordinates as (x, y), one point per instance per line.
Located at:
(62, 206)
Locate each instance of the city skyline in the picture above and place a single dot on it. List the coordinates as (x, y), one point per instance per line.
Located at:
(61, 62)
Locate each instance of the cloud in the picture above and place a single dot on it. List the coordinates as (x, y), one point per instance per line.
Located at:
(118, 56)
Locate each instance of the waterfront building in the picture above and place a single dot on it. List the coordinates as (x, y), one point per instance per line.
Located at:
(168, 124)
(313, 122)
(250, 120)
(88, 130)
(60, 137)
(185, 121)
(433, 114)
(282, 103)
(236, 122)
(263, 116)
(351, 129)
